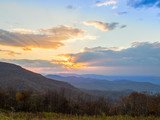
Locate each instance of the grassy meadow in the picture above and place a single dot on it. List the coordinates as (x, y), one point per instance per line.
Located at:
(55, 116)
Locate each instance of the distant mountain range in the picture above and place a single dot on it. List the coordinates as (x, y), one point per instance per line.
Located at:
(151, 79)
(74, 85)
(91, 83)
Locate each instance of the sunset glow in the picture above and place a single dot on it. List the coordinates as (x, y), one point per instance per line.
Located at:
(81, 36)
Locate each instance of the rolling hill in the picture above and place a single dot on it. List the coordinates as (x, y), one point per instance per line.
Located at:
(19, 78)
(106, 85)
(151, 79)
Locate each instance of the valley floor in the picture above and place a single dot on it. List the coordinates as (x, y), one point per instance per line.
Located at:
(55, 116)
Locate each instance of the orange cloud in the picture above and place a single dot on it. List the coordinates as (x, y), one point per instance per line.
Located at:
(67, 62)
(9, 52)
(27, 49)
(46, 38)
(63, 31)
(23, 31)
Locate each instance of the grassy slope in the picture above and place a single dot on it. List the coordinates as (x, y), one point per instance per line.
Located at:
(54, 116)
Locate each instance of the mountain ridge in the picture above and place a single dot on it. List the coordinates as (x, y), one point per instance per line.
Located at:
(151, 79)
(15, 76)
(105, 85)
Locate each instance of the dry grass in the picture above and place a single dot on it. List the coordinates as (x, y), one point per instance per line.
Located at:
(55, 116)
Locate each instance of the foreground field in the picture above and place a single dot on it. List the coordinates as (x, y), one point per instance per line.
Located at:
(54, 116)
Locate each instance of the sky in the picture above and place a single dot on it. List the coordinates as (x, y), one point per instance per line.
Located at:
(108, 37)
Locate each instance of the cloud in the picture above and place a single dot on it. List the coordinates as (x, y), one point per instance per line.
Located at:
(61, 62)
(23, 31)
(99, 48)
(60, 65)
(114, 7)
(71, 7)
(141, 58)
(102, 26)
(9, 52)
(139, 54)
(27, 49)
(14, 39)
(39, 66)
(32, 63)
(120, 13)
(46, 38)
(123, 26)
(106, 3)
(98, 1)
(144, 3)
(65, 31)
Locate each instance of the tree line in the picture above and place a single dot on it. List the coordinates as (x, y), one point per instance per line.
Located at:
(136, 104)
